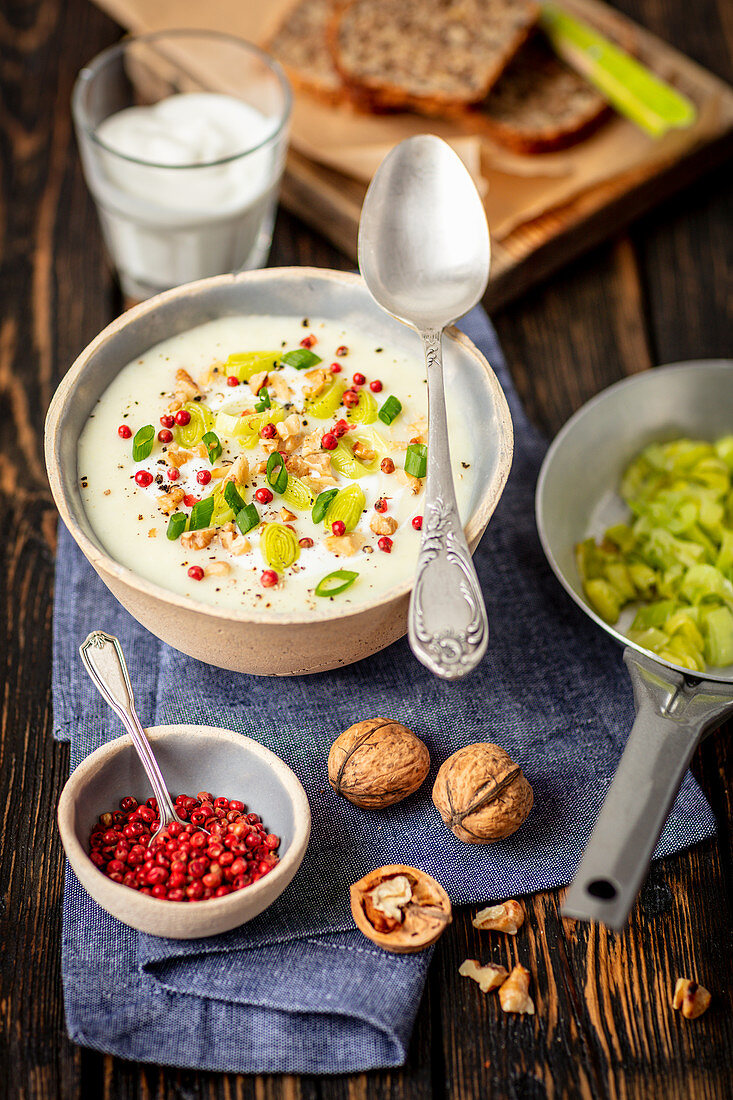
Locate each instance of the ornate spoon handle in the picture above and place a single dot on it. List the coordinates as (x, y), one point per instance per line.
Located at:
(104, 661)
(447, 625)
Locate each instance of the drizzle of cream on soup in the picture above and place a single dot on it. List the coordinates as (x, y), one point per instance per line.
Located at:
(130, 523)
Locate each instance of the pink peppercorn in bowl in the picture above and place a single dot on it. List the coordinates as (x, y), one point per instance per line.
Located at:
(192, 758)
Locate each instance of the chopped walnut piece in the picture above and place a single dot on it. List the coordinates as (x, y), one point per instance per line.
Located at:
(218, 472)
(414, 484)
(315, 381)
(488, 977)
(218, 569)
(178, 457)
(318, 463)
(290, 444)
(419, 429)
(238, 471)
(169, 501)
(197, 540)
(689, 997)
(281, 388)
(507, 917)
(514, 993)
(257, 381)
(317, 484)
(345, 544)
(230, 539)
(200, 450)
(286, 515)
(186, 388)
(214, 372)
(363, 453)
(312, 442)
(289, 426)
(383, 525)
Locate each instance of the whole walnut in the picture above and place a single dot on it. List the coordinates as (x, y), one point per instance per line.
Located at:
(377, 762)
(481, 794)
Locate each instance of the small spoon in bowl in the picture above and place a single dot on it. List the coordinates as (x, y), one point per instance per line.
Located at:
(104, 661)
(424, 253)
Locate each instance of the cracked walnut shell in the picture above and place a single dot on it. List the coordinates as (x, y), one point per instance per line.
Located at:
(377, 763)
(481, 794)
(400, 908)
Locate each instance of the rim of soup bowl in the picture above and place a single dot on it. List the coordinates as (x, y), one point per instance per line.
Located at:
(105, 563)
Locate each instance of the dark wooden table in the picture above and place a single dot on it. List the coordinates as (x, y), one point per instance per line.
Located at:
(603, 1028)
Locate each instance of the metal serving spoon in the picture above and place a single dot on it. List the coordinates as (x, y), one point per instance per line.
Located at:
(104, 661)
(424, 254)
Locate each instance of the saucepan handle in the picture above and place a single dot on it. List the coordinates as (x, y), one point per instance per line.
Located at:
(673, 713)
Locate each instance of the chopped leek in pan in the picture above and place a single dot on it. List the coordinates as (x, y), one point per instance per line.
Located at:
(673, 559)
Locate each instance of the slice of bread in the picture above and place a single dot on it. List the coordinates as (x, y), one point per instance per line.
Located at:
(427, 55)
(299, 44)
(539, 104)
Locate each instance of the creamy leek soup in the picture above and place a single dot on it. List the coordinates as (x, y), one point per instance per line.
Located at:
(266, 463)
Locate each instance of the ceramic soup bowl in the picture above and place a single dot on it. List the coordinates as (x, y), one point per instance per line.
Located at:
(256, 641)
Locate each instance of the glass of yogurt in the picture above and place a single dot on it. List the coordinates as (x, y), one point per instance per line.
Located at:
(183, 136)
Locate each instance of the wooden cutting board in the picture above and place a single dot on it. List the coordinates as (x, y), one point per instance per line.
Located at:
(331, 202)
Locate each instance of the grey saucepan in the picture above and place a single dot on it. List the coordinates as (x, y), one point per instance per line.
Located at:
(577, 497)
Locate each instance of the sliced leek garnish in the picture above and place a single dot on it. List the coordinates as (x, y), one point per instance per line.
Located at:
(279, 546)
(365, 412)
(244, 364)
(347, 505)
(298, 494)
(325, 405)
(201, 422)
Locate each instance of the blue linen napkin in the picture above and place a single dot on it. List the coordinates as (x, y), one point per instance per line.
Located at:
(299, 990)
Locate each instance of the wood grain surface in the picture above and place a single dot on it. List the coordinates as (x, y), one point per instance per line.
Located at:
(603, 1027)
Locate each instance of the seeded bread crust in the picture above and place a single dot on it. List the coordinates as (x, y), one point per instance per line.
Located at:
(299, 44)
(427, 55)
(539, 105)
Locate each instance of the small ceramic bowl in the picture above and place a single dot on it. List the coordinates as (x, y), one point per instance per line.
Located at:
(192, 758)
(256, 641)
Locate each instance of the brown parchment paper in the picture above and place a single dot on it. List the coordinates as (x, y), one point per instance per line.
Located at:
(516, 189)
